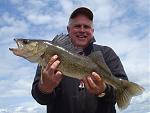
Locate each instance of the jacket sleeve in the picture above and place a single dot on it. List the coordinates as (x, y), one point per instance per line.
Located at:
(39, 96)
(114, 63)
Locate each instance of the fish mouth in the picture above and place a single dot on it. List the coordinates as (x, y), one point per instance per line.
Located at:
(18, 49)
(19, 43)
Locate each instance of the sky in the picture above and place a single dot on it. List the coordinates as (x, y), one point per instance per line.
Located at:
(120, 24)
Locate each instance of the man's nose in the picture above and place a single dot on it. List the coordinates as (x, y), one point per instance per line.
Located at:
(82, 29)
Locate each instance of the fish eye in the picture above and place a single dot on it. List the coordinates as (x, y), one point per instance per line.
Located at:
(25, 41)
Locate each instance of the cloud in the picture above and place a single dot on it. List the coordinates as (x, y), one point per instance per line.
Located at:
(11, 27)
(40, 19)
(137, 105)
(15, 88)
(39, 13)
(28, 107)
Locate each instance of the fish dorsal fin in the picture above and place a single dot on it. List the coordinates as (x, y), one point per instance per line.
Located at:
(98, 58)
(64, 41)
(60, 39)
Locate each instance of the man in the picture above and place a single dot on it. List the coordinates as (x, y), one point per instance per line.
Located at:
(64, 94)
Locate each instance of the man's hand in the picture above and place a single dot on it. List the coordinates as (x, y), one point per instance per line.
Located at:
(94, 84)
(50, 75)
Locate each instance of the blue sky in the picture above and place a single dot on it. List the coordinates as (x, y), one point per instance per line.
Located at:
(120, 24)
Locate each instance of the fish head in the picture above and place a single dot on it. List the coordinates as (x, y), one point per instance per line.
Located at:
(29, 49)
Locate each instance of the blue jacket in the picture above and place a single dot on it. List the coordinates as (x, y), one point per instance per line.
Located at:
(69, 98)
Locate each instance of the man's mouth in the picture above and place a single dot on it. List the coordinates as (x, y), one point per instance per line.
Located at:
(81, 36)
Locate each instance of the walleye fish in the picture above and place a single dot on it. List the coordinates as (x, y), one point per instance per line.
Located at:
(76, 66)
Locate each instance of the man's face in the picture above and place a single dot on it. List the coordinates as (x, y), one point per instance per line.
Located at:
(80, 30)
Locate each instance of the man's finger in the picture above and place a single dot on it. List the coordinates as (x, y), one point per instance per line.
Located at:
(51, 61)
(96, 76)
(54, 66)
(57, 77)
(91, 83)
(86, 83)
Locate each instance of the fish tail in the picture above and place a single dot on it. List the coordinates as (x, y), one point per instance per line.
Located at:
(125, 93)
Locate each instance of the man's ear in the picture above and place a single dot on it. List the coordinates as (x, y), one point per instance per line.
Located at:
(68, 29)
(93, 30)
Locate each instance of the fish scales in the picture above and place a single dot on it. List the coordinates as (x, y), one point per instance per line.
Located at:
(73, 65)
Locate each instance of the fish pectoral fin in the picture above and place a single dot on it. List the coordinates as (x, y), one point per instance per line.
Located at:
(126, 92)
(41, 77)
